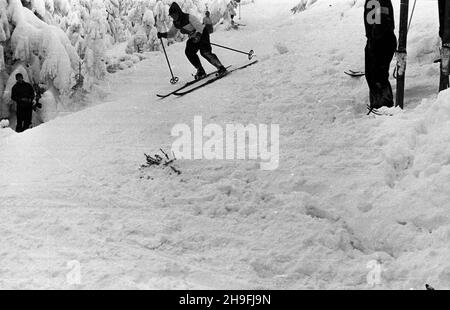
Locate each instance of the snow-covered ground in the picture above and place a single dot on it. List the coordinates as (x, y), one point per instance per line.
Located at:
(354, 196)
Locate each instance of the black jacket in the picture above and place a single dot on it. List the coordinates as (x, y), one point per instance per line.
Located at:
(183, 19)
(383, 30)
(21, 91)
(186, 23)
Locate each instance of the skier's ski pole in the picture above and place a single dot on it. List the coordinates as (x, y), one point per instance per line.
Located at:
(250, 54)
(174, 79)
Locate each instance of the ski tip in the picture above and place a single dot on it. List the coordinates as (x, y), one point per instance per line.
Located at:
(354, 73)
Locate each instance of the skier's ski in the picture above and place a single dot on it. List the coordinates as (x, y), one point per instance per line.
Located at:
(218, 77)
(354, 73)
(382, 112)
(372, 111)
(187, 85)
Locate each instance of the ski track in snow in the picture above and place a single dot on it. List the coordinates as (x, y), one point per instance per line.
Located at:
(71, 189)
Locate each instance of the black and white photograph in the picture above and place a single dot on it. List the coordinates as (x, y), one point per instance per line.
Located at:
(224, 145)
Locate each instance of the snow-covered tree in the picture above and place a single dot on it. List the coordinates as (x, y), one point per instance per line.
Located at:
(218, 10)
(161, 15)
(95, 31)
(112, 8)
(40, 51)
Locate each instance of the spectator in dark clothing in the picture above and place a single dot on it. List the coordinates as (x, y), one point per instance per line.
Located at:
(23, 94)
(379, 51)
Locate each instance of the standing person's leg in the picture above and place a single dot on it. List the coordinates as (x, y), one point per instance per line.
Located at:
(20, 117)
(206, 51)
(443, 23)
(441, 4)
(386, 56)
(370, 70)
(28, 114)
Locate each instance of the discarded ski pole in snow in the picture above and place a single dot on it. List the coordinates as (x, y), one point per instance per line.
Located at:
(250, 54)
(174, 79)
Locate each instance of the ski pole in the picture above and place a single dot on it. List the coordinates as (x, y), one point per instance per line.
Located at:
(250, 54)
(174, 79)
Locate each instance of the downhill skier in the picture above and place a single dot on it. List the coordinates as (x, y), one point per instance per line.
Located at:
(198, 40)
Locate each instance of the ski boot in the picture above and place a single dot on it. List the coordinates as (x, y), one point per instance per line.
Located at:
(201, 74)
(222, 71)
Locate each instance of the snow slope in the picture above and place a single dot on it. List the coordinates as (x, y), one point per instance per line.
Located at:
(350, 188)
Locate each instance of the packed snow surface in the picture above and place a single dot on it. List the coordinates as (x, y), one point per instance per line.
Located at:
(357, 201)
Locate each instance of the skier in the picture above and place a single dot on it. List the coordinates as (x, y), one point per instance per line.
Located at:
(23, 94)
(232, 5)
(198, 40)
(379, 51)
(208, 23)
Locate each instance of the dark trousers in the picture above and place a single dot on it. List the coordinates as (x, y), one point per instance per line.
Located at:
(204, 46)
(24, 113)
(445, 35)
(378, 58)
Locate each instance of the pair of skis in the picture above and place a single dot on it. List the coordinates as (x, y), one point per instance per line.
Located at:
(187, 85)
(210, 78)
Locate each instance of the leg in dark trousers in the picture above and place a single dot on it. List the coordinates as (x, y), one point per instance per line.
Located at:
(378, 58)
(28, 115)
(442, 6)
(206, 50)
(20, 117)
(191, 53)
(24, 114)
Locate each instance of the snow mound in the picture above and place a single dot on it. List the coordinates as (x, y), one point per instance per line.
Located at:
(4, 123)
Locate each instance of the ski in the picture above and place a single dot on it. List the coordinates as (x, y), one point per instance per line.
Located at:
(210, 81)
(373, 111)
(354, 73)
(187, 85)
(378, 112)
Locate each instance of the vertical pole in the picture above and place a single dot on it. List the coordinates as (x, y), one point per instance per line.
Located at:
(401, 52)
(174, 79)
(444, 19)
